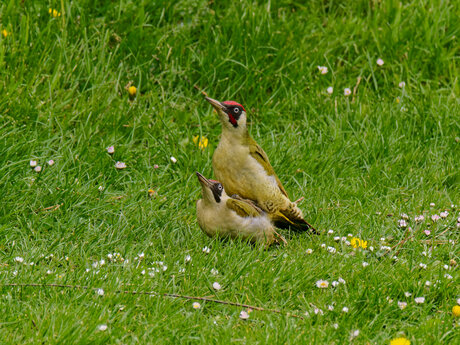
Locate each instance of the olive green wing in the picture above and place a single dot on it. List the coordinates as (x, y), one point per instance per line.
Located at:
(243, 209)
(260, 156)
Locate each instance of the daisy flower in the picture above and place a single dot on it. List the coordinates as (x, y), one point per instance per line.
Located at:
(402, 305)
(216, 286)
(345, 310)
(402, 84)
(419, 300)
(111, 149)
(102, 328)
(38, 168)
(244, 315)
(444, 214)
(120, 165)
(173, 159)
(100, 292)
(380, 62)
(323, 69)
(347, 92)
(322, 284)
(330, 90)
(196, 305)
(435, 218)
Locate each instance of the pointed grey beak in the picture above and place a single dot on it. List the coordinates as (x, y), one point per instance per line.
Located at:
(216, 104)
(203, 180)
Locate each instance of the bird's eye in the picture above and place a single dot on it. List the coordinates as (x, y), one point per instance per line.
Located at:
(236, 110)
(219, 187)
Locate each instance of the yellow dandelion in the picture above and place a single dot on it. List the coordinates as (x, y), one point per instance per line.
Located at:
(5, 33)
(363, 244)
(201, 141)
(132, 91)
(397, 100)
(456, 310)
(354, 242)
(54, 13)
(151, 192)
(400, 341)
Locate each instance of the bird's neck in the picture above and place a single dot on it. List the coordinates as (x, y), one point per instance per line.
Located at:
(240, 136)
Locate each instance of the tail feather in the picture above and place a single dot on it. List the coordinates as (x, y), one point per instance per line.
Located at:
(299, 224)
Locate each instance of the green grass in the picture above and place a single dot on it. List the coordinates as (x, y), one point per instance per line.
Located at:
(384, 151)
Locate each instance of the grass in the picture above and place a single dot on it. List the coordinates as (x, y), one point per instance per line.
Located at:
(382, 151)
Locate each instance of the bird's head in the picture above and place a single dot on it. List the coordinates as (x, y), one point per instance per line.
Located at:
(212, 191)
(231, 114)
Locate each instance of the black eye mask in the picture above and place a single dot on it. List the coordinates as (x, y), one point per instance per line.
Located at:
(216, 190)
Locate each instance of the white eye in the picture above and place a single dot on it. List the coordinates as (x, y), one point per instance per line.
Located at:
(219, 187)
(236, 110)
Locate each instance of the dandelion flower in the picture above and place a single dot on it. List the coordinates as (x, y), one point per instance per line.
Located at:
(4, 33)
(244, 315)
(400, 341)
(323, 69)
(456, 310)
(330, 90)
(196, 305)
(201, 141)
(322, 284)
(419, 300)
(54, 13)
(402, 84)
(402, 305)
(111, 150)
(38, 168)
(216, 286)
(132, 92)
(347, 92)
(120, 165)
(380, 62)
(102, 328)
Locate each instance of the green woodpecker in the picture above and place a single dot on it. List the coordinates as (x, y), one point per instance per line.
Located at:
(223, 216)
(244, 169)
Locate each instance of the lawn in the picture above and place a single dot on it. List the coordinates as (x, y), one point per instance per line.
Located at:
(369, 165)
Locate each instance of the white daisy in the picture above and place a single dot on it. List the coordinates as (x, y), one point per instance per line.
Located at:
(402, 305)
(100, 292)
(347, 92)
(102, 328)
(402, 84)
(19, 259)
(33, 164)
(111, 149)
(322, 284)
(335, 283)
(196, 305)
(173, 159)
(244, 315)
(120, 165)
(50, 162)
(330, 232)
(206, 250)
(365, 264)
(341, 280)
(330, 90)
(380, 62)
(444, 214)
(323, 69)
(38, 168)
(419, 300)
(345, 310)
(309, 251)
(216, 286)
